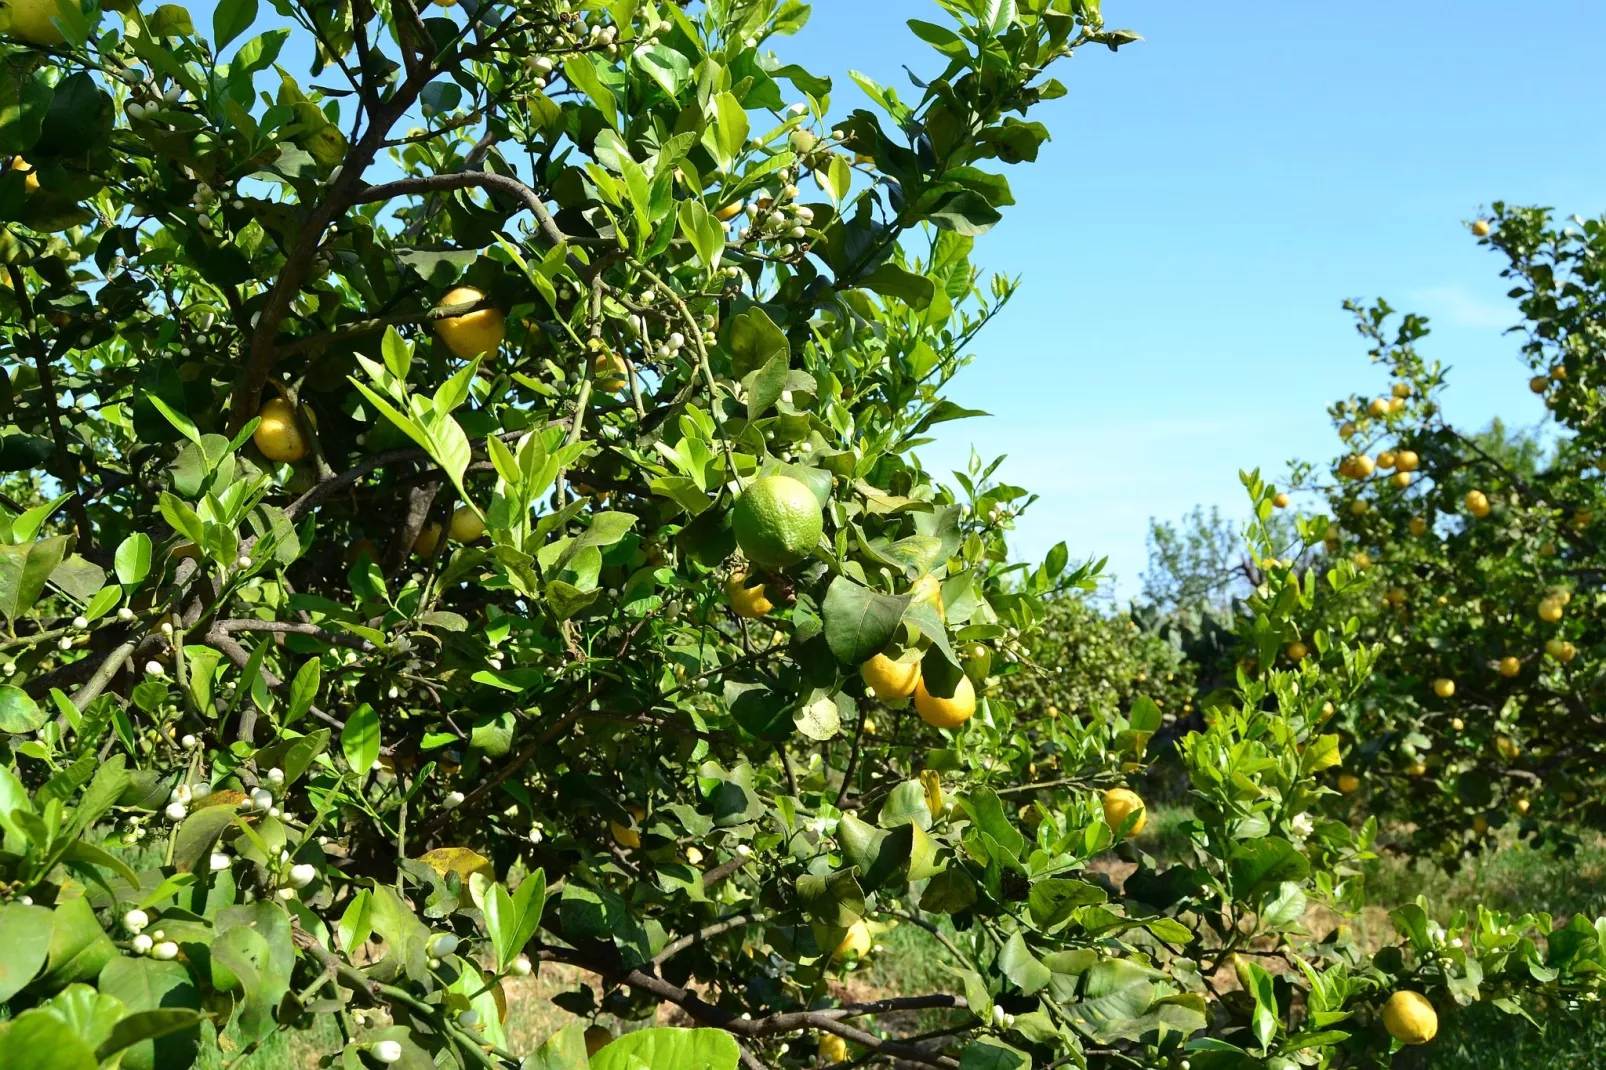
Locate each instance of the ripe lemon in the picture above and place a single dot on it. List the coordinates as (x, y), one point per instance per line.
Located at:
(729, 212)
(946, 712)
(1418, 526)
(278, 435)
(1539, 384)
(1408, 1016)
(1349, 783)
(628, 835)
(597, 1038)
(1457, 723)
(609, 372)
(1407, 460)
(466, 525)
(890, 679)
(1523, 806)
(1386, 459)
(747, 597)
(1297, 651)
(1507, 746)
(1346, 430)
(1416, 769)
(1281, 501)
(1477, 503)
(928, 589)
(777, 521)
(1121, 803)
(1378, 407)
(30, 22)
(1401, 390)
(1401, 480)
(1480, 228)
(857, 941)
(473, 333)
(1360, 507)
(1443, 687)
(1510, 666)
(1550, 610)
(429, 537)
(832, 1049)
(30, 182)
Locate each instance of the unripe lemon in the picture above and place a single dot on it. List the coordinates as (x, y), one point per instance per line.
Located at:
(597, 1038)
(1416, 769)
(473, 333)
(1346, 430)
(1349, 783)
(777, 521)
(1539, 384)
(856, 941)
(1407, 460)
(1408, 1016)
(1121, 803)
(278, 435)
(1443, 687)
(1510, 666)
(1477, 503)
(1401, 390)
(466, 525)
(832, 1049)
(1418, 526)
(747, 597)
(429, 537)
(30, 22)
(628, 835)
(890, 679)
(1297, 651)
(946, 712)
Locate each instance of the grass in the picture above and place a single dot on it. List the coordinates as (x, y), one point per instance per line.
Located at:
(1512, 878)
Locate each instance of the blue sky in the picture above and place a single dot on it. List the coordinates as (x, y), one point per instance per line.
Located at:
(1210, 197)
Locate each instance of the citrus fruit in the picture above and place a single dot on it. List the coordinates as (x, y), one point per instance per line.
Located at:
(1481, 228)
(466, 525)
(1401, 390)
(628, 835)
(832, 1049)
(1297, 651)
(1119, 804)
(1409, 1017)
(1477, 503)
(597, 1038)
(857, 941)
(1416, 769)
(30, 22)
(610, 372)
(473, 333)
(278, 435)
(1407, 460)
(1281, 501)
(777, 521)
(1443, 687)
(747, 597)
(890, 679)
(1480, 825)
(31, 182)
(1378, 407)
(729, 211)
(946, 712)
(1510, 666)
(429, 537)
(1349, 783)
(1419, 526)
(1550, 610)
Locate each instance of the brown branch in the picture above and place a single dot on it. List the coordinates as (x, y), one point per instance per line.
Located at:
(485, 180)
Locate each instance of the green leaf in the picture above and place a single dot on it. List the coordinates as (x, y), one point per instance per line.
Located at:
(1256, 865)
(357, 922)
(833, 899)
(230, 19)
(890, 280)
(40, 1040)
(1022, 967)
(19, 714)
(89, 1013)
(704, 231)
(1056, 899)
(667, 1046)
(563, 1050)
(859, 622)
(148, 1025)
(79, 948)
(183, 423)
(582, 74)
(198, 834)
(133, 560)
(753, 340)
(146, 984)
(727, 132)
(359, 740)
(304, 690)
(985, 1053)
(24, 569)
(24, 945)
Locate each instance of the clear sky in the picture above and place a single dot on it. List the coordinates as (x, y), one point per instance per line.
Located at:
(1210, 197)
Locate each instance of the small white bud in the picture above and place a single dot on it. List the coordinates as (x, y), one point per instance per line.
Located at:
(261, 798)
(218, 862)
(166, 951)
(25, 900)
(287, 894)
(275, 775)
(176, 811)
(303, 874)
(273, 811)
(521, 966)
(125, 614)
(167, 627)
(64, 643)
(136, 920)
(453, 799)
(141, 944)
(469, 1019)
(441, 944)
(743, 850)
(80, 622)
(387, 1051)
(676, 340)
(188, 741)
(200, 790)
(242, 562)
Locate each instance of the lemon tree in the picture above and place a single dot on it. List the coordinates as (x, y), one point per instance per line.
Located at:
(462, 515)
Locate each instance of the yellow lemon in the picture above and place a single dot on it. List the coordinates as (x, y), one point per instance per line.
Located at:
(1386, 459)
(30, 22)
(890, 679)
(747, 596)
(1457, 723)
(466, 525)
(1477, 503)
(1480, 228)
(1443, 687)
(1378, 407)
(729, 211)
(1523, 806)
(628, 835)
(832, 1049)
(1281, 501)
(1418, 526)
(857, 942)
(1550, 610)
(1416, 769)
(278, 435)
(1407, 460)
(1510, 666)
(610, 372)
(1480, 825)
(1401, 390)
(1121, 803)
(945, 712)
(1297, 651)
(1409, 1017)
(474, 333)
(429, 537)
(1349, 783)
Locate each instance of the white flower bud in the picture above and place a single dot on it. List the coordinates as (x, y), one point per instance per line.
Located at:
(188, 741)
(453, 799)
(441, 944)
(167, 627)
(469, 1019)
(176, 811)
(180, 794)
(125, 614)
(303, 874)
(219, 862)
(154, 668)
(136, 920)
(141, 944)
(743, 850)
(261, 798)
(275, 775)
(387, 1051)
(273, 811)
(287, 894)
(200, 790)
(166, 951)
(242, 562)
(521, 966)
(676, 340)
(998, 1016)
(64, 643)
(80, 622)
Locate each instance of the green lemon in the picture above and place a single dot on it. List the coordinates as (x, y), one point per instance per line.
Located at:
(777, 521)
